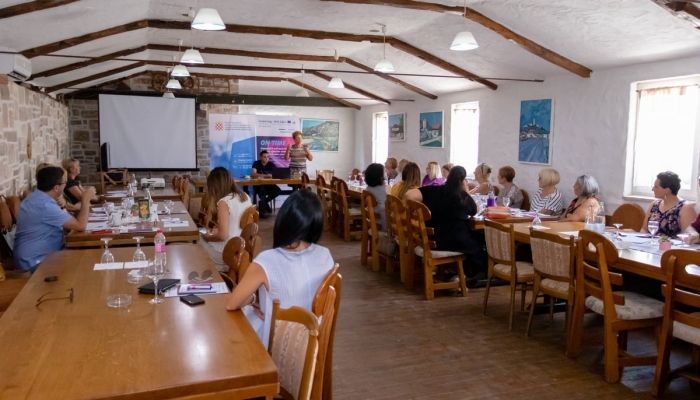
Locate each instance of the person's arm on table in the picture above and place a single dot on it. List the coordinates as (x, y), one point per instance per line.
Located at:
(79, 223)
(243, 294)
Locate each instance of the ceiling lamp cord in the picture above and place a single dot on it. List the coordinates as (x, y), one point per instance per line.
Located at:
(336, 83)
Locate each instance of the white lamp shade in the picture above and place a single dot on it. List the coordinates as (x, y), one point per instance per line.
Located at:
(180, 70)
(384, 66)
(208, 19)
(336, 83)
(173, 84)
(303, 93)
(168, 95)
(192, 56)
(464, 41)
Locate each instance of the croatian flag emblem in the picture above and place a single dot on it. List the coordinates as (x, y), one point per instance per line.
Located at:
(219, 126)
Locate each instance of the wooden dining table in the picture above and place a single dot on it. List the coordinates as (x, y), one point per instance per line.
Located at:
(157, 194)
(187, 233)
(85, 349)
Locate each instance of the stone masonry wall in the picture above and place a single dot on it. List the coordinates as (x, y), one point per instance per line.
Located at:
(28, 117)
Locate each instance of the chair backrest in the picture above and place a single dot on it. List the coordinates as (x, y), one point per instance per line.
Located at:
(526, 200)
(553, 255)
(418, 232)
(342, 193)
(250, 215)
(294, 347)
(324, 193)
(174, 181)
(496, 190)
(594, 248)
(323, 376)
(235, 256)
(253, 242)
(630, 215)
(682, 285)
(320, 181)
(176, 184)
(588, 241)
(327, 174)
(395, 217)
(369, 219)
(5, 216)
(500, 242)
(305, 180)
(13, 203)
(185, 191)
(195, 205)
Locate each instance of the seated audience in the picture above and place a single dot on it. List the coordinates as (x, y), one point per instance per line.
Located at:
(450, 206)
(292, 270)
(410, 179)
(391, 165)
(547, 200)
(61, 200)
(41, 221)
(399, 169)
(446, 169)
(73, 192)
(433, 176)
(374, 177)
(586, 191)
(482, 173)
(227, 203)
(262, 169)
(673, 213)
(510, 190)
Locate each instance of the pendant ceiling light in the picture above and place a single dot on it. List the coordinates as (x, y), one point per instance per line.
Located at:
(192, 55)
(303, 92)
(208, 19)
(180, 70)
(172, 83)
(464, 40)
(168, 95)
(336, 83)
(384, 65)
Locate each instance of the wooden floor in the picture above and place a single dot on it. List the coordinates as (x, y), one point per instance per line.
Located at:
(393, 344)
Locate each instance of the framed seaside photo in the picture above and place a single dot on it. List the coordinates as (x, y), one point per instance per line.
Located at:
(320, 134)
(431, 126)
(535, 136)
(397, 127)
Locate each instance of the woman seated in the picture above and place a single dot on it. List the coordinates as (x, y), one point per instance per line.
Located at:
(482, 173)
(399, 169)
(446, 169)
(586, 191)
(292, 270)
(390, 165)
(374, 177)
(547, 200)
(73, 191)
(673, 213)
(433, 176)
(228, 203)
(510, 190)
(450, 206)
(410, 179)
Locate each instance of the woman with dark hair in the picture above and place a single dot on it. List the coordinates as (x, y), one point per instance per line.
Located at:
(291, 271)
(586, 191)
(673, 213)
(450, 206)
(227, 204)
(374, 178)
(410, 179)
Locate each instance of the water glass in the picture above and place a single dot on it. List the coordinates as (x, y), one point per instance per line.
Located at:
(155, 271)
(139, 255)
(537, 221)
(168, 205)
(107, 257)
(683, 237)
(506, 201)
(652, 227)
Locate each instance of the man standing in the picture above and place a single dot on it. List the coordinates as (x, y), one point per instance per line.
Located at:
(41, 221)
(262, 169)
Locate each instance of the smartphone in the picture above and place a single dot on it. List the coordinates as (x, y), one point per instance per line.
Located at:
(192, 300)
(202, 231)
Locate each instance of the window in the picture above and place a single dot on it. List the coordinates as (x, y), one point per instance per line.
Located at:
(380, 141)
(666, 134)
(464, 135)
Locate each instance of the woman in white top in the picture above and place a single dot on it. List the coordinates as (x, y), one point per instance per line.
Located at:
(227, 203)
(482, 173)
(547, 199)
(291, 271)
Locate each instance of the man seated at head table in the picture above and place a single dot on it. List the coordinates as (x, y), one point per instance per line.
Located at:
(41, 221)
(263, 168)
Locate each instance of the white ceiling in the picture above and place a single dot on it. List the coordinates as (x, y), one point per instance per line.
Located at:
(595, 33)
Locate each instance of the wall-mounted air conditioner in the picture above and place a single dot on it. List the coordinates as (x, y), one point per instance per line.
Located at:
(16, 66)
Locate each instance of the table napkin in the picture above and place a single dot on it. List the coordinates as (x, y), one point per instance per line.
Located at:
(99, 267)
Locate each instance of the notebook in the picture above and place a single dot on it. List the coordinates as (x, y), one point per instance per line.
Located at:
(281, 173)
(163, 285)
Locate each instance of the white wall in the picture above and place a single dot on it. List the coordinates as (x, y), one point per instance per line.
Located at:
(591, 118)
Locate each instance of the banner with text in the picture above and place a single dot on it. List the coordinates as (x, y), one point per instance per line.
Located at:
(232, 142)
(274, 133)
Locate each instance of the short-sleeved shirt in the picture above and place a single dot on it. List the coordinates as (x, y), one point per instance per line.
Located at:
(553, 202)
(264, 169)
(66, 192)
(39, 229)
(297, 157)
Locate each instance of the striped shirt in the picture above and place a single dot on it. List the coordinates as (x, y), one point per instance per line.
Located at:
(553, 202)
(298, 157)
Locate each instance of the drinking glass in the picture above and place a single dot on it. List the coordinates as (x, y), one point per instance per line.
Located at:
(682, 237)
(139, 255)
(537, 221)
(168, 205)
(617, 226)
(652, 227)
(506, 201)
(107, 256)
(155, 271)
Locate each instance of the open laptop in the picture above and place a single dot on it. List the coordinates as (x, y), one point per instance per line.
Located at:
(281, 173)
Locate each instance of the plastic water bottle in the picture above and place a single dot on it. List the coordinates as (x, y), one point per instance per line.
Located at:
(590, 219)
(600, 219)
(491, 200)
(159, 242)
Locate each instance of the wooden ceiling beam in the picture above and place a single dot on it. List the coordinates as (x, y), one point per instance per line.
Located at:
(353, 88)
(324, 94)
(86, 63)
(113, 81)
(684, 10)
(32, 6)
(96, 76)
(486, 22)
(392, 79)
(231, 67)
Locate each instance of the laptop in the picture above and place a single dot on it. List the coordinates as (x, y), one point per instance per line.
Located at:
(281, 173)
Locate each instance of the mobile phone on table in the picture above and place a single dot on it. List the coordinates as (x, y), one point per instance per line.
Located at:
(192, 300)
(202, 231)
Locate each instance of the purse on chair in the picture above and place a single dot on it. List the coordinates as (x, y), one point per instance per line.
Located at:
(387, 245)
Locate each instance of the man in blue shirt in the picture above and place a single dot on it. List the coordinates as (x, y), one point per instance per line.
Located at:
(41, 221)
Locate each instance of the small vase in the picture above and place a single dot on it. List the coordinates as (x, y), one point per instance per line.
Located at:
(665, 245)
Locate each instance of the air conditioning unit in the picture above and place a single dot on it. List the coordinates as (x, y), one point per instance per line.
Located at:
(16, 66)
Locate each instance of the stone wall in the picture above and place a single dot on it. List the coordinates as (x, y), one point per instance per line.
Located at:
(28, 117)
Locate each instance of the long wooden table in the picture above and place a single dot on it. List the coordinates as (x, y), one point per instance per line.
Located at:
(166, 193)
(178, 234)
(87, 350)
(266, 181)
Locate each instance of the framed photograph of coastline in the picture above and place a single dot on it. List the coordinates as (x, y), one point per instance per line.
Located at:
(320, 134)
(431, 129)
(535, 133)
(397, 128)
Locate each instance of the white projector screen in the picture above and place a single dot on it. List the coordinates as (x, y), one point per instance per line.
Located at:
(149, 132)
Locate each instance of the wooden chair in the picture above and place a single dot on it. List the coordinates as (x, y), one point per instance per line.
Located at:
(13, 204)
(682, 287)
(327, 174)
(204, 215)
(236, 258)
(621, 311)
(6, 254)
(253, 242)
(397, 228)
(496, 190)
(305, 182)
(185, 191)
(325, 195)
(250, 215)
(294, 348)
(553, 260)
(526, 200)
(350, 217)
(630, 215)
(500, 245)
(173, 182)
(195, 205)
(371, 233)
(113, 177)
(418, 214)
(177, 180)
(325, 306)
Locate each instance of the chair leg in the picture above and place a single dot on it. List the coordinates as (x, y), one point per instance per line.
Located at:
(573, 343)
(612, 369)
(373, 244)
(346, 229)
(523, 291)
(462, 279)
(512, 305)
(662, 360)
(488, 286)
(364, 247)
(389, 265)
(551, 310)
(429, 290)
(535, 293)
(408, 266)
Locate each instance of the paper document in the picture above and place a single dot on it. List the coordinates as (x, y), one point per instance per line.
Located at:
(219, 287)
(99, 267)
(135, 264)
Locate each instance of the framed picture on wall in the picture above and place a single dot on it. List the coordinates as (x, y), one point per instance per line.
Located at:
(397, 127)
(431, 129)
(535, 134)
(320, 134)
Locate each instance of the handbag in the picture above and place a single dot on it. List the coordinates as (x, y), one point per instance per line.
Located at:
(497, 212)
(387, 245)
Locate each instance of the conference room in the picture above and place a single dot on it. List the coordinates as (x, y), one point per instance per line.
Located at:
(149, 98)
